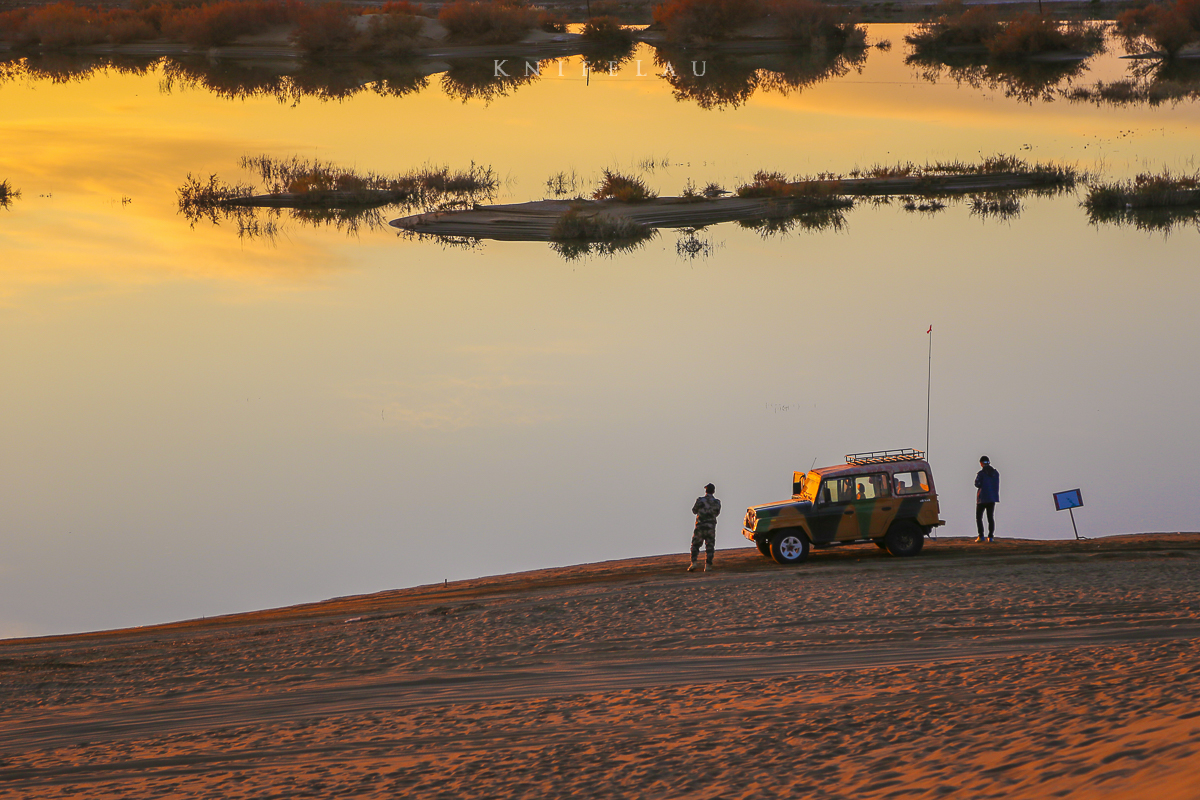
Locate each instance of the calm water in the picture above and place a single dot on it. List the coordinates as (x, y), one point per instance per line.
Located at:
(196, 423)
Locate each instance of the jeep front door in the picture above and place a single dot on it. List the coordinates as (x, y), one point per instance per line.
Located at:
(832, 510)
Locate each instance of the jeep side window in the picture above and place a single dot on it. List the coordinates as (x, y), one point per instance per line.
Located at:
(870, 487)
(835, 490)
(913, 482)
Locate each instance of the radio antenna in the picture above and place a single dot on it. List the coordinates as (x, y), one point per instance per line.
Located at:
(928, 384)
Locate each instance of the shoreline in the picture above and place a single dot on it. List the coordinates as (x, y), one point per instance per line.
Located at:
(730, 561)
(1024, 668)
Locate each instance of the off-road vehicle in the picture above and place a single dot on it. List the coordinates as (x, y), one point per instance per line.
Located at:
(886, 497)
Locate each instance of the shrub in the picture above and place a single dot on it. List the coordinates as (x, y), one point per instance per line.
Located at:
(123, 26)
(1190, 9)
(222, 22)
(58, 25)
(1167, 29)
(400, 8)
(776, 184)
(574, 224)
(815, 23)
(320, 28)
(956, 26)
(606, 31)
(623, 189)
(684, 20)
(391, 34)
(1030, 34)
(1170, 31)
(486, 22)
(1145, 191)
(551, 21)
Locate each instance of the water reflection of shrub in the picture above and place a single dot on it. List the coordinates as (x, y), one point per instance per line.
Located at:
(1025, 81)
(607, 57)
(312, 79)
(606, 32)
(66, 67)
(580, 232)
(476, 79)
(825, 219)
(729, 82)
(7, 194)
(1152, 82)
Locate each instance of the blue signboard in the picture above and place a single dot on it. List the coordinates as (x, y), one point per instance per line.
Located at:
(1066, 500)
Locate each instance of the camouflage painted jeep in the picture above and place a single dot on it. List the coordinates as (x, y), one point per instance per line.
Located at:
(885, 497)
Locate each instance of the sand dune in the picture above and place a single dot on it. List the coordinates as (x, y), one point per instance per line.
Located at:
(1022, 669)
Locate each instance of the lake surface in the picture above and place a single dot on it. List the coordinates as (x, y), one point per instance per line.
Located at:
(195, 422)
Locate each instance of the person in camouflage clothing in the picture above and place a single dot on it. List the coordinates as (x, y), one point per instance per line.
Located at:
(706, 509)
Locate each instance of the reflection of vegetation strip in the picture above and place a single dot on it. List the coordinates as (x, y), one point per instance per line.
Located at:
(1127, 92)
(1150, 202)
(575, 223)
(545, 220)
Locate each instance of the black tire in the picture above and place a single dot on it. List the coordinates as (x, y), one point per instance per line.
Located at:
(764, 546)
(904, 539)
(880, 544)
(789, 546)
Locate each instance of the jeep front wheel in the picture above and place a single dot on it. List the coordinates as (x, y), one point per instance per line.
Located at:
(789, 547)
(904, 540)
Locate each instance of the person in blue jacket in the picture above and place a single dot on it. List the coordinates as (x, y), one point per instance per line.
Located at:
(987, 481)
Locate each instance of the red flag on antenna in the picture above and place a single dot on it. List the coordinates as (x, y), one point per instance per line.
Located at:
(930, 329)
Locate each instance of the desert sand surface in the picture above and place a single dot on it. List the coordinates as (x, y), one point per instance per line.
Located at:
(1023, 669)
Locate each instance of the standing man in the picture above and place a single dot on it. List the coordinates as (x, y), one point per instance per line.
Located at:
(706, 509)
(988, 484)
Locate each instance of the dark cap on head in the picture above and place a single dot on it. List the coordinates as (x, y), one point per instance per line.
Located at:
(708, 487)
(984, 460)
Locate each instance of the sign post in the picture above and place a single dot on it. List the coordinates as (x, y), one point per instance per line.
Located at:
(1069, 500)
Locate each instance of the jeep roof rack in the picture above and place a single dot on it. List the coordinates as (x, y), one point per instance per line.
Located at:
(883, 456)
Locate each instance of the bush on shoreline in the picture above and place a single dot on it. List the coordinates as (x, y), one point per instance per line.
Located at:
(389, 30)
(623, 189)
(1164, 29)
(498, 22)
(806, 22)
(606, 31)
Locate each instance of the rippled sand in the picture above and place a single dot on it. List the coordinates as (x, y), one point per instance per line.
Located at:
(1020, 669)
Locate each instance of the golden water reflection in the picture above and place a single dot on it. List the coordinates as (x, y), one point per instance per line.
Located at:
(195, 423)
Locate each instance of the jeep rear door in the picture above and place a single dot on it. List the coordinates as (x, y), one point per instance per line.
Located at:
(874, 508)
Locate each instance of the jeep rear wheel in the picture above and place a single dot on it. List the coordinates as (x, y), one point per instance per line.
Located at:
(764, 546)
(905, 539)
(789, 546)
